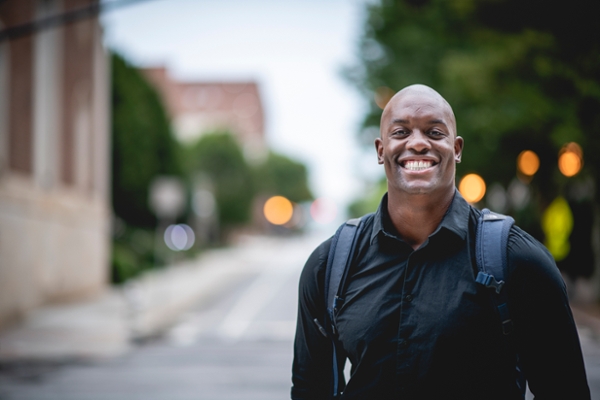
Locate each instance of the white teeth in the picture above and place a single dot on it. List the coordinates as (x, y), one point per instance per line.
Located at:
(417, 165)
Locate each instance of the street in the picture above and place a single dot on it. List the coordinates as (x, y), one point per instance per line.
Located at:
(236, 346)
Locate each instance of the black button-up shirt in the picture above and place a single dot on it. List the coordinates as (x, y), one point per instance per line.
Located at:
(416, 325)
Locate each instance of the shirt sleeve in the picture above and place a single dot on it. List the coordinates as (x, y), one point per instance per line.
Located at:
(546, 336)
(312, 366)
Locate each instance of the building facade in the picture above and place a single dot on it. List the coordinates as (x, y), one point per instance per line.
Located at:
(54, 157)
(199, 107)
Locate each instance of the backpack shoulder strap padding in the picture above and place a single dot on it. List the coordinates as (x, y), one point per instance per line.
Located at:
(491, 244)
(340, 253)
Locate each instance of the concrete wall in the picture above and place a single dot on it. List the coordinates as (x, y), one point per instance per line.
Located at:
(54, 160)
(53, 246)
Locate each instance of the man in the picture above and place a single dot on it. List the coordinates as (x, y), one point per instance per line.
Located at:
(414, 323)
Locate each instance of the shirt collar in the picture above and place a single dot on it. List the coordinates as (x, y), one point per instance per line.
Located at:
(456, 219)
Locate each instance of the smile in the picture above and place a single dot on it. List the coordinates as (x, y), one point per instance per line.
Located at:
(419, 165)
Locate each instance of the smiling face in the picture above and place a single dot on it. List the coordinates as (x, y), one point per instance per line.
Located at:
(418, 145)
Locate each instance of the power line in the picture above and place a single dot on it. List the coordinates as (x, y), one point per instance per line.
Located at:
(89, 11)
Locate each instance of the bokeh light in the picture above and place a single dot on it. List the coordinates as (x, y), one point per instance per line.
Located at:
(496, 198)
(472, 188)
(179, 237)
(278, 210)
(569, 164)
(323, 210)
(557, 223)
(528, 162)
(570, 159)
(383, 95)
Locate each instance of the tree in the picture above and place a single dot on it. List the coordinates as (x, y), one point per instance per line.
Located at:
(283, 176)
(517, 78)
(142, 148)
(143, 145)
(219, 156)
(515, 81)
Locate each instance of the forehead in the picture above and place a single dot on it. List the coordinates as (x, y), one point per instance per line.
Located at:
(416, 105)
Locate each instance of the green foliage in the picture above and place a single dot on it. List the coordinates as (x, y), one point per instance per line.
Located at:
(516, 80)
(133, 253)
(369, 202)
(280, 175)
(219, 156)
(143, 146)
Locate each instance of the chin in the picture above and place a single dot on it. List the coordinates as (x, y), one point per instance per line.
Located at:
(422, 188)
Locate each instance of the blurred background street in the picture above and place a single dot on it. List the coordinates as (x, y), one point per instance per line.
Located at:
(236, 344)
(166, 167)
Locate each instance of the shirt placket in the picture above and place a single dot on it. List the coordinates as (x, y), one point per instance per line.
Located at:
(403, 348)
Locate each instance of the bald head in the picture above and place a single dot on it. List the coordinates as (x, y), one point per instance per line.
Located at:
(418, 93)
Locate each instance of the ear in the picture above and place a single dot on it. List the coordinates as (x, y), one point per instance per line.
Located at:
(458, 148)
(379, 149)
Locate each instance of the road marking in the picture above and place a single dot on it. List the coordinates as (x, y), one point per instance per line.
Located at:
(283, 264)
(256, 297)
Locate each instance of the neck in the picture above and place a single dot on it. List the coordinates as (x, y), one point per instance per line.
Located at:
(416, 216)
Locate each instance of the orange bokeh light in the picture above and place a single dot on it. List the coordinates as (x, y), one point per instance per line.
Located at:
(383, 95)
(570, 159)
(528, 162)
(278, 210)
(472, 188)
(569, 163)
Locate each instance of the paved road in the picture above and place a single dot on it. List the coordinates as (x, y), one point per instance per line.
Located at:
(237, 346)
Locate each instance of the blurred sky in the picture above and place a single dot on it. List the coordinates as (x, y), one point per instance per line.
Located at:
(295, 49)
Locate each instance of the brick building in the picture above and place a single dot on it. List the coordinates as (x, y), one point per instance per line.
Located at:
(54, 157)
(200, 107)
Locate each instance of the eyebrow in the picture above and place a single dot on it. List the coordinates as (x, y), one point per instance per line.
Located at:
(405, 121)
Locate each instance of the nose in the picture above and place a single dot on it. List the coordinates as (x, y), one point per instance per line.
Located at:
(418, 142)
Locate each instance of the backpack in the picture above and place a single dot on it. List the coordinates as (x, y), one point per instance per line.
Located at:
(491, 242)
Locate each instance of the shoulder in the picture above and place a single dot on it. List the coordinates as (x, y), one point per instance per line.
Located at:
(313, 273)
(317, 261)
(531, 261)
(524, 249)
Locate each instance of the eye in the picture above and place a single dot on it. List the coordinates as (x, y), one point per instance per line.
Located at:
(436, 133)
(400, 132)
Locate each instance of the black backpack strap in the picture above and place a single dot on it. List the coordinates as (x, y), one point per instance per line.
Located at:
(340, 254)
(492, 260)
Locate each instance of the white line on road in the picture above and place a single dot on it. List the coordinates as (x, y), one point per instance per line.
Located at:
(284, 262)
(253, 300)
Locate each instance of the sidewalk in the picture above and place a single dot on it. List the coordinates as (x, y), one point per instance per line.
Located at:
(107, 325)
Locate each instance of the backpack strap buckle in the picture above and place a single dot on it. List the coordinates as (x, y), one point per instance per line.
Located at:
(489, 281)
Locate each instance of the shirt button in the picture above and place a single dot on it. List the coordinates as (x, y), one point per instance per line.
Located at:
(409, 297)
(402, 343)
